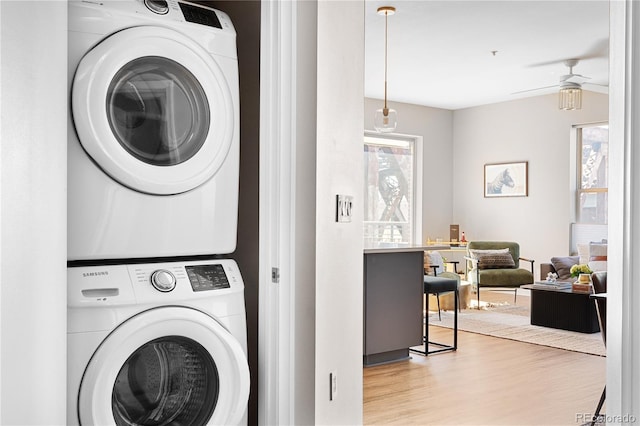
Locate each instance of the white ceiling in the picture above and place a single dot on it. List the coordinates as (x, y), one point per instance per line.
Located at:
(440, 52)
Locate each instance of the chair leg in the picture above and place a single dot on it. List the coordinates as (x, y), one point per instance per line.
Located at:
(455, 320)
(478, 293)
(600, 404)
(515, 296)
(426, 327)
(438, 299)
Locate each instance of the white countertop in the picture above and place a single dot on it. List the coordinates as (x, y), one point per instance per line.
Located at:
(400, 248)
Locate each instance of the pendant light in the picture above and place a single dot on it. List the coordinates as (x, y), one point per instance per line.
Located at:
(385, 119)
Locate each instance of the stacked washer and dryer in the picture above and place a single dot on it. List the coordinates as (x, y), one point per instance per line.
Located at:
(153, 164)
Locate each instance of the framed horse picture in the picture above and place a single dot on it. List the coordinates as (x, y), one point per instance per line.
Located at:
(506, 179)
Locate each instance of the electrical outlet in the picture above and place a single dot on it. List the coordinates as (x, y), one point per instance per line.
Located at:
(333, 385)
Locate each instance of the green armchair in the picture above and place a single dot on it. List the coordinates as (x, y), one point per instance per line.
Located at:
(496, 264)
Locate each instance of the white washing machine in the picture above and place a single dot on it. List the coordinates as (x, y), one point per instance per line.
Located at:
(157, 344)
(153, 152)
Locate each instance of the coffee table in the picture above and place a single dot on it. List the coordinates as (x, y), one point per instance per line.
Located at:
(563, 309)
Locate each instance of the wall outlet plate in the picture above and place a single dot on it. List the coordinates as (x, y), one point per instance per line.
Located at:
(344, 208)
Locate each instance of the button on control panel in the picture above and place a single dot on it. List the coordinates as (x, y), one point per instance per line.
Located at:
(161, 7)
(163, 280)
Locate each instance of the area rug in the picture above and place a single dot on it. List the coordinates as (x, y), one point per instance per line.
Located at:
(513, 322)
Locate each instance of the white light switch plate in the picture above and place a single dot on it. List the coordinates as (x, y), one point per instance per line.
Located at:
(344, 208)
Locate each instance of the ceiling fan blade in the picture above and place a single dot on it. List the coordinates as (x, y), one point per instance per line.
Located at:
(533, 90)
(596, 84)
(599, 49)
(544, 64)
(573, 78)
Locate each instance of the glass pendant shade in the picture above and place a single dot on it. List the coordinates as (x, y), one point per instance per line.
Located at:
(385, 120)
(570, 98)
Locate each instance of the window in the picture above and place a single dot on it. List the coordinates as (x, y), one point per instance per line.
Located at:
(392, 195)
(592, 174)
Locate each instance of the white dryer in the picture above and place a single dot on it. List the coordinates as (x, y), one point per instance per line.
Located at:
(157, 344)
(153, 152)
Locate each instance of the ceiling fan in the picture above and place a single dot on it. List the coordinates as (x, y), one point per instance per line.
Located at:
(570, 93)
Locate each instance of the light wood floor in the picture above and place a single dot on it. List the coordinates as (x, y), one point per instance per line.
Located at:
(488, 381)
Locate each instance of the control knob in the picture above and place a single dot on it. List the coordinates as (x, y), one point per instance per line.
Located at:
(163, 280)
(161, 7)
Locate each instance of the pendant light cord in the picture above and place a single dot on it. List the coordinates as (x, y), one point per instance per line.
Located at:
(386, 20)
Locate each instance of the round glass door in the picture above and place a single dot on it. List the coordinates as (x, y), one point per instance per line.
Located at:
(166, 366)
(170, 380)
(158, 111)
(154, 110)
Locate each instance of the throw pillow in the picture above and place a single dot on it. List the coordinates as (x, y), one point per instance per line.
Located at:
(475, 253)
(433, 258)
(597, 251)
(598, 257)
(496, 261)
(563, 265)
(598, 265)
(583, 252)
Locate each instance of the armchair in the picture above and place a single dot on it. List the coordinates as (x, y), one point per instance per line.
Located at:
(497, 264)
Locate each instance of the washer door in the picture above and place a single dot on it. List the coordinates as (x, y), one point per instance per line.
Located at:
(166, 366)
(153, 109)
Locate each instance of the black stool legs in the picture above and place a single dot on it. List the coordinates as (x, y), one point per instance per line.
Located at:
(448, 287)
(596, 415)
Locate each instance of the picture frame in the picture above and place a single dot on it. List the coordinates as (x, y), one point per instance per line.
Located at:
(506, 179)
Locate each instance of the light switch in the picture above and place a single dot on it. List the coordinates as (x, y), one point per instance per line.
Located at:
(344, 208)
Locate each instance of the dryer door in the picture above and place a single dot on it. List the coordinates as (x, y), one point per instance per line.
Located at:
(169, 365)
(153, 109)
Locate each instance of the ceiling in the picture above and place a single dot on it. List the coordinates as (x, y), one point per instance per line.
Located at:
(440, 53)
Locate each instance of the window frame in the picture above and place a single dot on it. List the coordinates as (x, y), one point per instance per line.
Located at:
(417, 208)
(576, 172)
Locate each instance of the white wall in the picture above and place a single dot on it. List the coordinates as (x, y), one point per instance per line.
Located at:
(33, 93)
(339, 165)
(436, 127)
(533, 130)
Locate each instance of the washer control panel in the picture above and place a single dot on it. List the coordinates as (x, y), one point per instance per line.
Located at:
(200, 276)
(207, 277)
(153, 282)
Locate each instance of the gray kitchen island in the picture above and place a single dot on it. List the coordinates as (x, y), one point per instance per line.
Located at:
(393, 302)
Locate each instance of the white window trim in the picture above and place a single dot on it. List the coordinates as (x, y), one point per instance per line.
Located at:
(573, 166)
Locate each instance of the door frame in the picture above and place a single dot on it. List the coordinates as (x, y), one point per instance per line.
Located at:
(276, 342)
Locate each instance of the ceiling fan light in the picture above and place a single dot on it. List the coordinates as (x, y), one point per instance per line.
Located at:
(385, 120)
(570, 98)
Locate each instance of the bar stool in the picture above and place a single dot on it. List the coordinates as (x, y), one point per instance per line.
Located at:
(436, 285)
